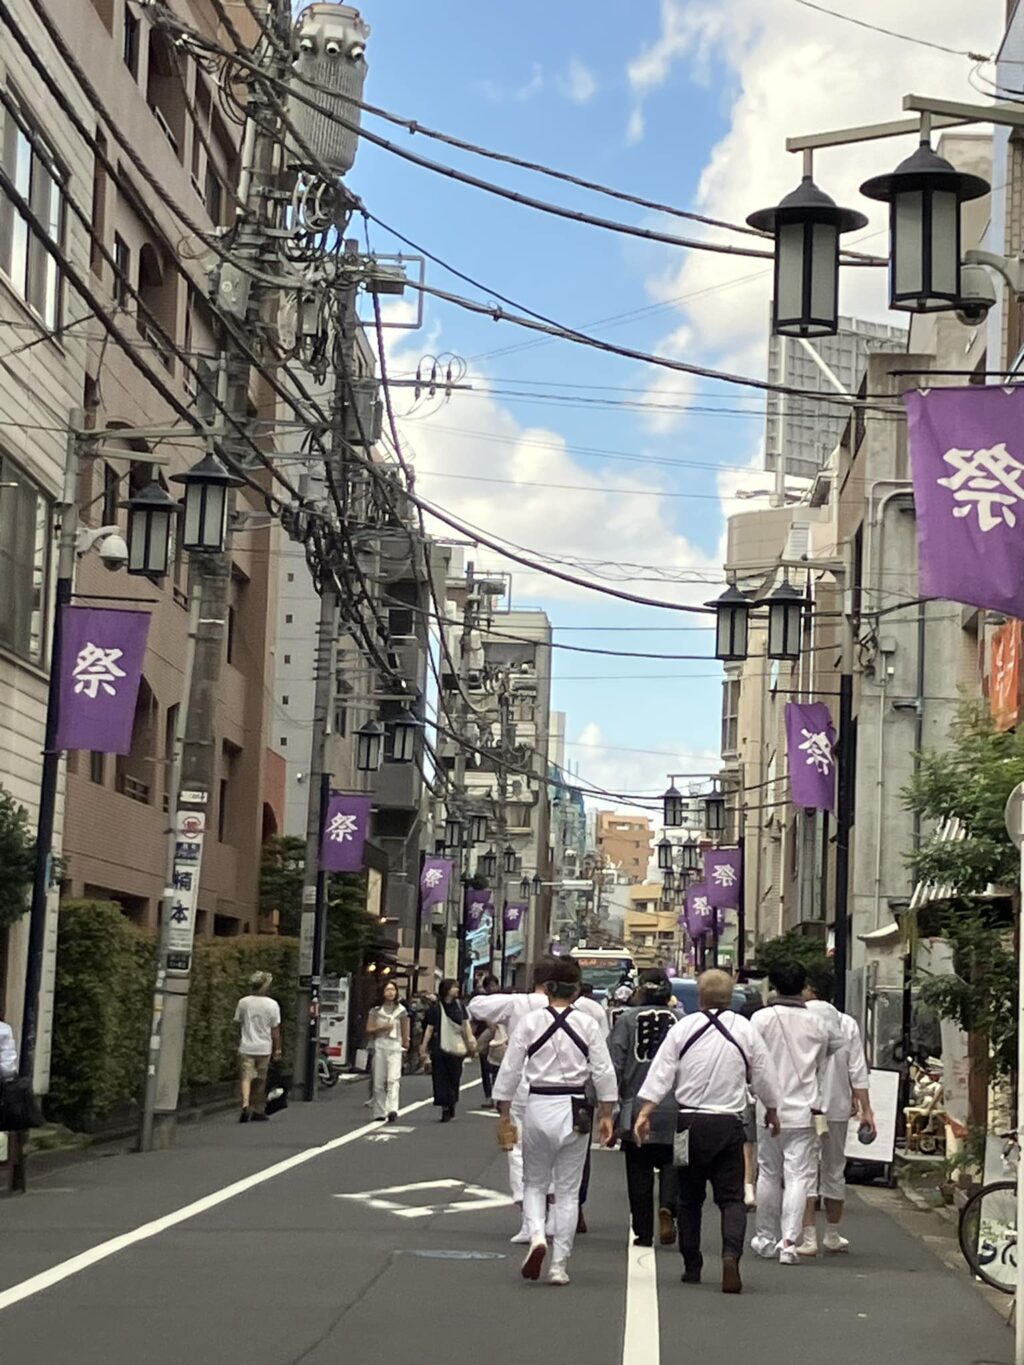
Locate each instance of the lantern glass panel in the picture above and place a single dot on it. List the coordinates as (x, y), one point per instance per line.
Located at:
(945, 244)
(907, 242)
(789, 271)
(478, 828)
(509, 859)
(784, 630)
(403, 742)
(665, 854)
(714, 814)
(732, 627)
(538, 885)
(524, 887)
(149, 541)
(824, 274)
(369, 745)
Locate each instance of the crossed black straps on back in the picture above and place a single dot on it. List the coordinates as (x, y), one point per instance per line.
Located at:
(715, 1022)
(560, 1023)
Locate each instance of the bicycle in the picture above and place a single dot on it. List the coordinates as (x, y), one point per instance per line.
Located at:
(988, 1228)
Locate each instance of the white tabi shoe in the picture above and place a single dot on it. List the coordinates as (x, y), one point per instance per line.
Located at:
(558, 1274)
(522, 1238)
(808, 1243)
(834, 1242)
(789, 1256)
(765, 1247)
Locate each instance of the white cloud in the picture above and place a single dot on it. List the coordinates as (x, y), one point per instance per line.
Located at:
(578, 83)
(788, 70)
(633, 771)
(533, 86)
(636, 127)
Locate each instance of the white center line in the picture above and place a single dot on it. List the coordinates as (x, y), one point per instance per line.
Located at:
(641, 1342)
(65, 1269)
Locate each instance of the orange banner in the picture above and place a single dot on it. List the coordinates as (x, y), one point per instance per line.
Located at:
(1005, 685)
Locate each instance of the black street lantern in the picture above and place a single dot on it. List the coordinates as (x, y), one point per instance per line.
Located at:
(508, 859)
(489, 863)
(538, 885)
(690, 856)
(453, 828)
(667, 899)
(206, 504)
(714, 813)
(785, 619)
(477, 829)
(674, 814)
(665, 850)
(732, 625)
(806, 227)
(369, 746)
(404, 729)
(150, 515)
(524, 887)
(668, 879)
(924, 194)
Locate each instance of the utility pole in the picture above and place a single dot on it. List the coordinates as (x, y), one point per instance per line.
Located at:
(459, 770)
(242, 292)
(505, 742)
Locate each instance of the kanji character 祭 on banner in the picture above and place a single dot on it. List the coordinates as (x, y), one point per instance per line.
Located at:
(100, 670)
(344, 833)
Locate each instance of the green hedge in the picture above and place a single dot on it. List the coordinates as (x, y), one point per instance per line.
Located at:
(103, 1005)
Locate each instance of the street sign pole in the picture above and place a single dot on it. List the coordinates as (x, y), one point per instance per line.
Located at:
(1015, 829)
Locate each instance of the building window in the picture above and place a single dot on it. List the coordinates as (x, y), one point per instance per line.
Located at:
(284, 699)
(24, 556)
(230, 635)
(730, 715)
(165, 91)
(130, 46)
(284, 742)
(111, 489)
(289, 618)
(287, 658)
(37, 177)
(291, 578)
(158, 302)
(99, 207)
(97, 768)
(122, 271)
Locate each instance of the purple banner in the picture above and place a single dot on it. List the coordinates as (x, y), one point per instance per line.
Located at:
(479, 905)
(513, 918)
(100, 670)
(699, 914)
(344, 833)
(810, 745)
(434, 883)
(966, 449)
(722, 878)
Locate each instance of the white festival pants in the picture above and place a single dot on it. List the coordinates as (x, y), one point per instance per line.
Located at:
(791, 1159)
(517, 1112)
(387, 1078)
(554, 1155)
(832, 1178)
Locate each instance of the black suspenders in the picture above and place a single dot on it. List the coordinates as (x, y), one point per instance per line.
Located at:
(560, 1023)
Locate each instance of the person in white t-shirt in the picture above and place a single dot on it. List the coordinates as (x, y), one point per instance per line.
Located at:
(259, 1016)
(388, 1027)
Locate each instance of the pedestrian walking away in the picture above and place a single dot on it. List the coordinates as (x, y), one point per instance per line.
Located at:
(638, 1033)
(8, 1053)
(800, 1044)
(388, 1027)
(259, 1017)
(846, 1095)
(447, 1042)
(555, 1051)
(485, 1040)
(710, 1060)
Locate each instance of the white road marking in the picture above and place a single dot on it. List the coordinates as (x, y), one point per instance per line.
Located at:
(641, 1342)
(46, 1279)
(479, 1198)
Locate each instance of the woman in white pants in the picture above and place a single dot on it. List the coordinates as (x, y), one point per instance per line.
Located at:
(388, 1027)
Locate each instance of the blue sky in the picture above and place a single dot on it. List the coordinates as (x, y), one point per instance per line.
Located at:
(687, 103)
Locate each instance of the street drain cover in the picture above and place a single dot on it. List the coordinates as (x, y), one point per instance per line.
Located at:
(459, 1255)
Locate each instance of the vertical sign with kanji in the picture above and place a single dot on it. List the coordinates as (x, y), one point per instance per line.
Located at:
(183, 892)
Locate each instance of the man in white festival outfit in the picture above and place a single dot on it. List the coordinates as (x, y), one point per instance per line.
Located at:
(800, 1044)
(555, 1051)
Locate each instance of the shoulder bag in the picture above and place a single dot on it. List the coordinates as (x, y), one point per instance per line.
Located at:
(452, 1039)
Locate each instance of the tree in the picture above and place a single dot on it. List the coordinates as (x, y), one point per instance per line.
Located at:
(17, 859)
(352, 933)
(795, 947)
(970, 781)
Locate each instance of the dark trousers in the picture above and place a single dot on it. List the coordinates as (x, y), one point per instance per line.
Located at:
(716, 1154)
(446, 1076)
(488, 1071)
(641, 1163)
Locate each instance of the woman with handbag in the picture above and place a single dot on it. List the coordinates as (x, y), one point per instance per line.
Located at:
(447, 1042)
(388, 1026)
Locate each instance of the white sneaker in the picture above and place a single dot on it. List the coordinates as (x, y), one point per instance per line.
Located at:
(522, 1237)
(765, 1247)
(808, 1243)
(558, 1274)
(834, 1242)
(789, 1256)
(750, 1196)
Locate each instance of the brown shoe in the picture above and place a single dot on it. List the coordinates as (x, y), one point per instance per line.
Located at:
(581, 1223)
(731, 1282)
(666, 1227)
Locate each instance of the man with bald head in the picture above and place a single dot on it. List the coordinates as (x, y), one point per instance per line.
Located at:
(710, 1060)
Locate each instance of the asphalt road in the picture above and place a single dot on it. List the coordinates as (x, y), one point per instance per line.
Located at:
(308, 1240)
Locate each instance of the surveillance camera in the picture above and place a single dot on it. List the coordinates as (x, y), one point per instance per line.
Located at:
(977, 295)
(113, 552)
